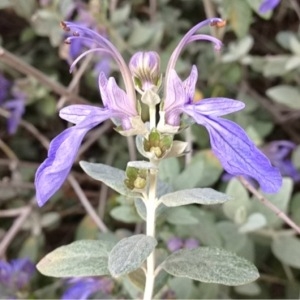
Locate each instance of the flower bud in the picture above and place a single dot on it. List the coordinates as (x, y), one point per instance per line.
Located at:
(158, 144)
(145, 69)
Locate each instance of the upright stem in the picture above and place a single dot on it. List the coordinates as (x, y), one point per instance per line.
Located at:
(150, 231)
(152, 114)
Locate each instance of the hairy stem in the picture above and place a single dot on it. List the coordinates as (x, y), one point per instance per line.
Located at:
(150, 231)
(269, 204)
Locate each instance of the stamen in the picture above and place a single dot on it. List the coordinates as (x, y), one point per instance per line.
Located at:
(218, 24)
(64, 26)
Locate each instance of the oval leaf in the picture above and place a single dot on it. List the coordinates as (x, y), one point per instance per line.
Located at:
(112, 177)
(129, 254)
(285, 94)
(81, 258)
(211, 265)
(287, 249)
(206, 196)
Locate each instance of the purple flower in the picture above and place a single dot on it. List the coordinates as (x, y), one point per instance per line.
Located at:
(83, 288)
(175, 243)
(86, 19)
(229, 142)
(13, 102)
(268, 5)
(191, 243)
(4, 88)
(145, 69)
(279, 154)
(118, 105)
(17, 273)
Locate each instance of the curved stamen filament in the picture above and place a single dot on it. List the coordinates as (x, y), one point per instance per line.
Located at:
(203, 37)
(86, 33)
(86, 53)
(186, 40)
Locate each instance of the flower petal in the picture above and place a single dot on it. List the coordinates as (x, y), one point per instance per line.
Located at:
(190, 84)
(268, 5)
(116, 100)
(238, 154)
(78, 112)
(175, 99)
(62, 152)
(217, 106)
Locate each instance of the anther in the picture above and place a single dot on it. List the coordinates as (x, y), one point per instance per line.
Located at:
(64, 26)
(218, 24)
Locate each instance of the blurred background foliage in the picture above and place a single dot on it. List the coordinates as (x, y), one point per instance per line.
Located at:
(259, 65)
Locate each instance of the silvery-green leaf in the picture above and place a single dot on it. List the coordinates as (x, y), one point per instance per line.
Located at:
(126, 214)
(137, 277)
(120, 15)
(274, 65)
(240, 202)
(80, 258)
(211, 265)
(203, 170)
(238, 13)
(280, 199)
(233, 240)
(285, 94)
(238, 49)
(169, 169)
(141, 208)
(129, 254)
(249, 289)
(141, 33)
(287, 249)
(181, 286)
(254, 222)
(293, 63)
(180, 216)
(112, 177)
(206, 196)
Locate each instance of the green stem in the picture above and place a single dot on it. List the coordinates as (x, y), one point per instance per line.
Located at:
(150, 231)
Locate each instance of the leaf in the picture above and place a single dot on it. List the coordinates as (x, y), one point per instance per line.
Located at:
(140, 34)
(80, 258)
(238, 50)
(239, 15)
(237, 209)
(180, 215)
(87, 229)
(120, 15)
(112, 177)
(169, 169)
(211, 265)
(126, 214)
(24, 9)
(181, 286)
(250, 289)
(233, 240)
(203, 170)
(285, 94)
(287, 249)
(5, 4)
(254, 222)
(289, 41)
(206, 196)
(281, 200)
(129, 254)
(275, 65)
